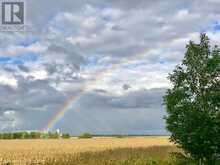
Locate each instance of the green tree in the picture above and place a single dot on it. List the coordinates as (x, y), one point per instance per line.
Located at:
(25, 135)
(17, 135)
(65, 136)
(7, 136)
(85, 136)
(193, 103)
(44, 136)
(53, 135)
(35, 135)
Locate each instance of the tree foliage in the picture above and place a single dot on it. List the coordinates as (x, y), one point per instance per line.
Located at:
(193, 103)
(85, 136)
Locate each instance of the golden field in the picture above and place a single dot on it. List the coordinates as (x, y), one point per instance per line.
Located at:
(49, 148)
(66, 149)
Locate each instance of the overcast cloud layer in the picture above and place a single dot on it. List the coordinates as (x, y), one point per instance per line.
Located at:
(115, 55)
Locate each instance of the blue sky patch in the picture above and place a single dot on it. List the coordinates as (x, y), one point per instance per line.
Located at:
(28, 41)
(135, 65)
(18, 60)
(216, 26)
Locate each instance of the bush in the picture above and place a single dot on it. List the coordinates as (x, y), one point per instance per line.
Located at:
(17, 135)
(120, 136)
(85, 136)
(53, 135)
(7, 136)
(65, 136)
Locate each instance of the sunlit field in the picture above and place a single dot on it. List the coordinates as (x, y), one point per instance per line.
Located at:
(44, 151)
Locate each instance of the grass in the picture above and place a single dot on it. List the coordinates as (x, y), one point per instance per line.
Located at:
(156, 155)
(121, 156)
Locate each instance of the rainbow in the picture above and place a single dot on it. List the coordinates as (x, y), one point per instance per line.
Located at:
(88, 87)
(59, 114)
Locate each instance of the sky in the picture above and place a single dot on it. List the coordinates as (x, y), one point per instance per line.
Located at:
(112, 56)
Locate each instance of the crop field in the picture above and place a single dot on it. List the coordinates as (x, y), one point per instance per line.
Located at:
(44, 151)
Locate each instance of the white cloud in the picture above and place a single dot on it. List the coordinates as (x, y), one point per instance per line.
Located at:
(214, 37)
(38, 74)
(99, 46)
(16, 50)
(8, 80)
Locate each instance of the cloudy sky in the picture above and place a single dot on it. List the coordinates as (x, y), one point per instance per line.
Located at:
(113, 56)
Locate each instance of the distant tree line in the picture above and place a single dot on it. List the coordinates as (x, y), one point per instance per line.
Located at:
(85, 136)
(34, 135)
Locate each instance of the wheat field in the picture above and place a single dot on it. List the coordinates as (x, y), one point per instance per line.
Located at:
(27, 150)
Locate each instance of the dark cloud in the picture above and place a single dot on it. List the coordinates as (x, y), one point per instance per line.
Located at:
(139, 99)
(23, 68)
(135, 43)
(31, 101)
(98, 113)
(126, 86)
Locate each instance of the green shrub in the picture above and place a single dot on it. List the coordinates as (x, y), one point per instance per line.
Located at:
(7, 136)
(65, 136)
(85, 136)
(120, 136)
(53, 135)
